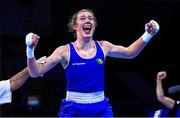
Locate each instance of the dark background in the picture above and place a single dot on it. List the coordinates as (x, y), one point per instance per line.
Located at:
(130, 84)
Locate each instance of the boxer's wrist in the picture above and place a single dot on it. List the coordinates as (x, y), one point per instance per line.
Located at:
(29, 52)
(146, 36)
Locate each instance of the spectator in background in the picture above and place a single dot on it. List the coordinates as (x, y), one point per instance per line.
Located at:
(172, 106)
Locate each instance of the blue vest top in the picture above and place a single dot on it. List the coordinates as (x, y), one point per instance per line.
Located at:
(85, 75)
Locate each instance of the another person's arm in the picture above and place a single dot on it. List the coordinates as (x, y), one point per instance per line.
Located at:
(5, 92)
(167, 101)
(18, 80)
(135, 48)
(7, 86)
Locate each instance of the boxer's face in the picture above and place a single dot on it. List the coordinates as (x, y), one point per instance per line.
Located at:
(85, 25)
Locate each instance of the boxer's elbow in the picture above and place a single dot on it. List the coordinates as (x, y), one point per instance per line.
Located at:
(34, 74)
(131, 55)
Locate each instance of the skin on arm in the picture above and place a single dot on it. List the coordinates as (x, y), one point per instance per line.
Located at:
(135, 48)
(18, 80)
(59, 55)
(119, 51)
(167, 101)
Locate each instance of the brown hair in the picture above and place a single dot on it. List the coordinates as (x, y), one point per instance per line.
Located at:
(73, 19)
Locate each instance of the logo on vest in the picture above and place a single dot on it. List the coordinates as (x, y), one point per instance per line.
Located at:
(78, 64)
(99, 61)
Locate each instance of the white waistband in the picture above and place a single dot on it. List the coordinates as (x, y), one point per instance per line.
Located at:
(85, 97)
